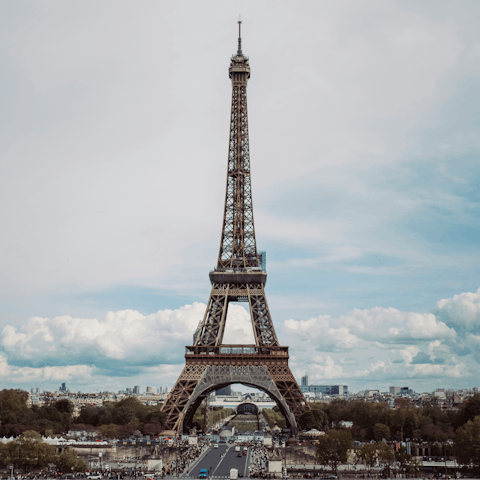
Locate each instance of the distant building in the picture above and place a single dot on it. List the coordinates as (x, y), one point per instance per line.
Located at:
(136, 390)
(406, 391)
(224, 391)
(304, 380)
(325, 389)
(150, 390)
(395, 391)
(63, 388)
(262, 260)
(440, 393)
(128, 390)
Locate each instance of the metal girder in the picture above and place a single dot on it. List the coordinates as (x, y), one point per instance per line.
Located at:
(261, 319)
(212, 328)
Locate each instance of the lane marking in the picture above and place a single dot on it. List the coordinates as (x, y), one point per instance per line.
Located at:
(221, 459)
(247, 456)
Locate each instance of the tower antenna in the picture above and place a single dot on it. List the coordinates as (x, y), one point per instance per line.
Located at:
(239, 51)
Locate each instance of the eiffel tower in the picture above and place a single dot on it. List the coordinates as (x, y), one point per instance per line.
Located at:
(238, 277)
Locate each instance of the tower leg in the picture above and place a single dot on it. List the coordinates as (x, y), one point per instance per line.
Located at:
(174, 406)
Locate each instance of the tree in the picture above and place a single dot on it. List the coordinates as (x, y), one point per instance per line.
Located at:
(15, 416)
(157, 416)
(314, 418)
(336, 412)
(332, 449)
(402, 457)
(110, 430)
(433, 433)
(28, 451)
(64, 406)
(68, 462)
(152, 429)
(385, 454)
(467, 442)
(125, 431)
(471, 408)
(407, 462)
(88, 415)
(128, 410)
(380, 432)
(367, 453)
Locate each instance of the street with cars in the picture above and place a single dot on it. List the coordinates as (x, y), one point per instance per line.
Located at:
(219, 461)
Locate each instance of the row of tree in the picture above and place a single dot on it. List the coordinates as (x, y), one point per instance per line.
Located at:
(115, 419)
(377, 421)
(274, 417)
(335, 447)
(216, 414)
(29, 452)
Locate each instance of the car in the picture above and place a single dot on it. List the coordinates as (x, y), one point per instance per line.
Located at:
(216, 445)
(94, 476)
(203, 473)
(240, 474)
(239, 455)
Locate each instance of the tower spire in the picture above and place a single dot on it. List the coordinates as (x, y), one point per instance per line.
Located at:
(239, 51)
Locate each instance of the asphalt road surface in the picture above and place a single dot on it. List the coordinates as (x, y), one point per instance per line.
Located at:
(219, 461)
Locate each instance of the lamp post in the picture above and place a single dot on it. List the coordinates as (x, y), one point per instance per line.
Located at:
(455, 459)
(445, 457)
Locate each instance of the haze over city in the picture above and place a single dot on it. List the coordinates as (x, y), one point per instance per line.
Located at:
(364, 137)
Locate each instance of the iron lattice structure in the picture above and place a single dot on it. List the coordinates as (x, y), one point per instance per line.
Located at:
(237, 277)
(206, 418)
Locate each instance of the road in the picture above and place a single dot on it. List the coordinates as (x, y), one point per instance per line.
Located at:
(219, 461)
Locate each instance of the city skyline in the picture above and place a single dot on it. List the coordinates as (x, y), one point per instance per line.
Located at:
(364, 150)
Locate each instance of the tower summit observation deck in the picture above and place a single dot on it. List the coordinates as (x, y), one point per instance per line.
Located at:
(238, 276)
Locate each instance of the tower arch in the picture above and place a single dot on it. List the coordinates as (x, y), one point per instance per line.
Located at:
(250, 376)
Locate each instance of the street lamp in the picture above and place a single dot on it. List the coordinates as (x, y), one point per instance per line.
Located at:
(445, 457)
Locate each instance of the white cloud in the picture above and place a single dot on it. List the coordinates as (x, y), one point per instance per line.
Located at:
(408, 353)
(11, 373)
(383, 345)
(325, 369)
(380, 325)
(462, 311)
(125, 335)
(458, 370)
(359, 346)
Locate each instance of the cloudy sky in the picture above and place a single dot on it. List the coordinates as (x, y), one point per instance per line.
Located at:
(365, 139)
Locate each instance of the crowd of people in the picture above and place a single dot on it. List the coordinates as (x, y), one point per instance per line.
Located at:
(187, 454)
(258, 467)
